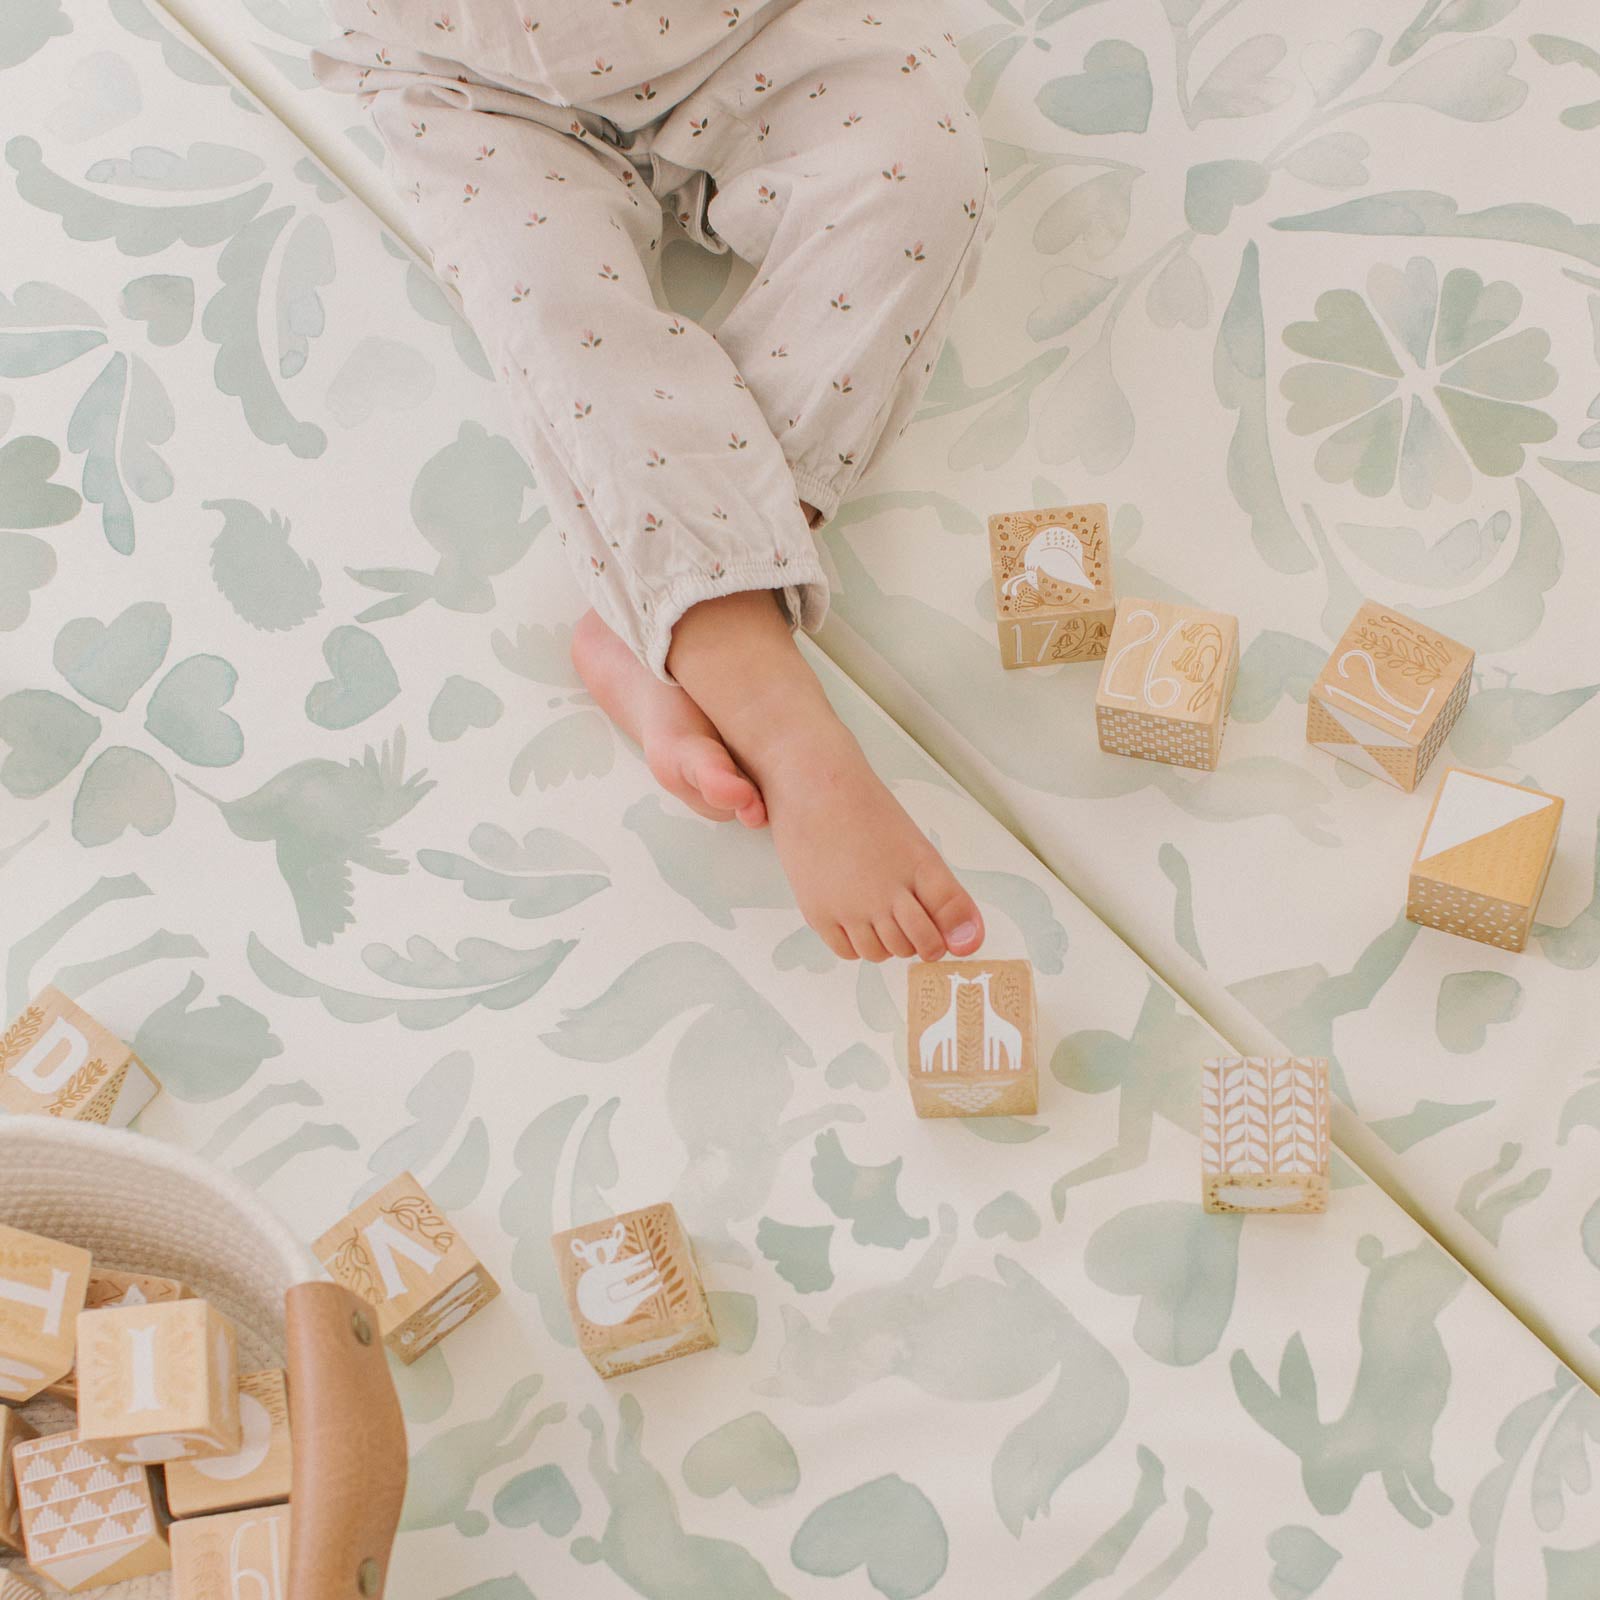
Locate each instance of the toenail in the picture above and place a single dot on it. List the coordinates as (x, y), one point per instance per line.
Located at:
(965, 934)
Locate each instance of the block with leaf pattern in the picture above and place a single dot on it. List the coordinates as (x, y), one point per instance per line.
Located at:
(1054, 598)
(57, 1061)
(402, 1255)
(1264, 1139)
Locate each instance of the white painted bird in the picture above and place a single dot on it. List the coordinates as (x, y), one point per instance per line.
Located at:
(1055, 551)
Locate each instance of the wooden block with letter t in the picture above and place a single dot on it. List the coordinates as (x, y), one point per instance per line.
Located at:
(971, 1048)
(634, 1290)
(56, 1060)
(1053, 594)
(403, 1256)
(240, 1554)
(257, 1473)
(158, 1382)
(1167, 682)
(1389, 695)
(13, 1430)
(1264, 1133)
(42, 1284)
(1483, 860)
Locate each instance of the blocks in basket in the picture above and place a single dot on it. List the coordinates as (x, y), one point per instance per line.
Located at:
(401, 1254)
(634, 1291)
(13, 1430)
(158, 1382)
(240, 1553)
(1167, 683)
(1484, 856)
(257, 1473)
(42, 1284)
(87, 1521)
(57, 1061)
(1053, 594)
(108, 1287)
(13, 1588)
(971, 1030)
(1389, 695)
(1264, 1133)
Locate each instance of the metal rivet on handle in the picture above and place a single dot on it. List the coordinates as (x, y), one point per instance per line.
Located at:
(362, 1329)
(368, 1578)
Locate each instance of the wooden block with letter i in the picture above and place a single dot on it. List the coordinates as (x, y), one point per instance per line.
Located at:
(13, 1430)
(257, 1473)
(56, 1060)
(42, 1284)
(1167, 683)
(403, 1256)
(1483, 860)
(634, 1290)
(971, 1029)
(1389, 695)
(1053, 593)
(240, 1554)
(87, 1521)
(1264, 1133)
(158, 1382)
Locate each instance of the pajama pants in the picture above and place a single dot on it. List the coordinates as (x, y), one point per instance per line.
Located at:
(833, 151)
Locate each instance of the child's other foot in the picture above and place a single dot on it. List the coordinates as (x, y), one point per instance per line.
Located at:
(681, 747)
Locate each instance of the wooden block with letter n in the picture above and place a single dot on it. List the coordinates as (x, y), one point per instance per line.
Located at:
(56, 1060)
(42, 1284)
(1483, 860)
(240, 1555)
(1389, 695)
(403, 1256)
(158, 1382)
(1167, 682)
(971, 1029)
(87, 1521)
(1264, 1133)
(634, 1290)
(13, 1430)
(1053, 593)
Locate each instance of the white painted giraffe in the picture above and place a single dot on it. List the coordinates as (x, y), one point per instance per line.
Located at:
(1002, 1041)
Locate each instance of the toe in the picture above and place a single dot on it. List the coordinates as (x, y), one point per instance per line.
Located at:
(866, 942)
(953, 910)
(893, 937)
(710, 769)
(919, 928)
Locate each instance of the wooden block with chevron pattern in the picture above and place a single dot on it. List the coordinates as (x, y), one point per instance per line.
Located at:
(970, 1048)
(1484, 857)
(1264, 1133)
(1389, 695)
(57, 1061)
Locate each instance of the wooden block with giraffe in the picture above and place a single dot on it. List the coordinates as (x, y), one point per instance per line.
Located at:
(1264, 1133)
(1054, 598)
(57, 1061)
(1167, 683)
(971, 1039)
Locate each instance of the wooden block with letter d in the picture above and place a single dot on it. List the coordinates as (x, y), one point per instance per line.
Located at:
(1264, 1133)
(1167, 683)
(634, 1290)
(56, 1060)
(257, 1473)
(1484, 858)
(403, 1256)
(971, 1029)
(1053, 593)
(158, 1382)
(239, 1555)
(42, 1284)
(13, 1430)
(1389, 695)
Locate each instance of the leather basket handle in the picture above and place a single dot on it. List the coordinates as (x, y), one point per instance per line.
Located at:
(348, 1443)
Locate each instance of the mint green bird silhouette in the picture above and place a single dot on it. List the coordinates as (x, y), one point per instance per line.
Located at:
(325, 816)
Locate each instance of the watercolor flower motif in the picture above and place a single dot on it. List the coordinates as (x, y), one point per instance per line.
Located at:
(1447, 351)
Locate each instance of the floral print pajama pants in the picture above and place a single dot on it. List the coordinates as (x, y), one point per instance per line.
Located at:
(833, 151)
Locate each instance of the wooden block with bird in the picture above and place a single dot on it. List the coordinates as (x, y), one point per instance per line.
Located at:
(1054, 598)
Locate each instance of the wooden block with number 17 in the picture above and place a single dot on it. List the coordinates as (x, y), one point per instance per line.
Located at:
(1053, 593)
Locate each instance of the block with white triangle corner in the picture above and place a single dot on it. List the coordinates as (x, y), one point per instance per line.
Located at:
(1484, 857)
(1389, 695)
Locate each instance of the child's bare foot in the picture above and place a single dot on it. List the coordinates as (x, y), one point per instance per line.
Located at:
(684, 753)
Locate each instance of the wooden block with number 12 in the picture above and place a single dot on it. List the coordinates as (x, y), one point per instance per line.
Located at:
(57, 1061)
(1053, 593)
(1167, 682)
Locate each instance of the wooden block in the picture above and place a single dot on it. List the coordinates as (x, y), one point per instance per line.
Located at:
(634, 1290)
(57, 1061)
(971, 1029)
(42, 1284)
(1264, 1133)
(1484, 857)
(13, 1430)
(242, 1555)
(1389, 695)
(158, 1382)
(87, 1521)
(1167, 683)
(1053, 593)
(111, 1288)
(400, 1253)
(257, 1473)
(13, 1588)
